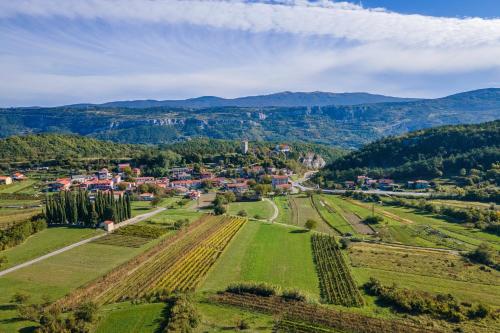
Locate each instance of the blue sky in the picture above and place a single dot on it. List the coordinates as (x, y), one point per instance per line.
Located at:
(57, 52)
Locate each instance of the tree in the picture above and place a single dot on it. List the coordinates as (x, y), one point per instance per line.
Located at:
(219, 209)
(156, 200)
(483, 254)
(311, 224)
(375, 219)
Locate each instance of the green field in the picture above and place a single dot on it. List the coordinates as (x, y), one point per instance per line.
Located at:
(255, 209)
(129, 318)
(169, 216)
(303, 210)
(332, 216)
(284, 209)
(266, 252)
(25, 187)
(46, 241)
(56, 276)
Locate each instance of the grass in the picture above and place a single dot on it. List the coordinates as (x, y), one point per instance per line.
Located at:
(331, 215)
(255, 209)
(169, 216)
(58, 275)
(25, 187)
(303, 210)
(219, 318)
(46, 241)
(266, 252)
(140, 207)
(431, 271)
(129, 318)
(284, 209)
(10, 216)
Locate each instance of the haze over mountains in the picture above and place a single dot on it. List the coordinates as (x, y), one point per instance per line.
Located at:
(277, 117)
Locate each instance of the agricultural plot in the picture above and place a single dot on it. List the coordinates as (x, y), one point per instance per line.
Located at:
(332, 217)
(22, 187)
(336, 283)
(11, 216)
(284, 209)
(142, 274)
(320, 317)
(341, 208)
(266, 252)
(427, 270)
(130, 318)
(168, 217)
(261, 210)
(186, 274)
(303, 210)
(46, 241)
(122, 240)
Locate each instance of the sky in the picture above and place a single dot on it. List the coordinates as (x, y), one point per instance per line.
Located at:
(56, 52)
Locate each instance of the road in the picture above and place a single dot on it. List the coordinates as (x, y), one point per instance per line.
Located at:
(133, 220)
(298, 185)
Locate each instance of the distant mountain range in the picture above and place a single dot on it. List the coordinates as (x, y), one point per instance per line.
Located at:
(282, 99)
(278, 117)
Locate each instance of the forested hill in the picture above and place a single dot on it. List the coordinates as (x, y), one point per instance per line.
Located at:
(347, 126)
(440, 151)
(45, 147)
(211, 147)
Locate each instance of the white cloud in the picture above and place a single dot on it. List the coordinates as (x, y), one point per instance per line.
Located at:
(339, 20)
(61, 51)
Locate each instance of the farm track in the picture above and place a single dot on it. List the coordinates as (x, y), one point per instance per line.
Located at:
(314, 202)
(354, 220)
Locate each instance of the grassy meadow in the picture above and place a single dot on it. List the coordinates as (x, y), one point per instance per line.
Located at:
(261, 210)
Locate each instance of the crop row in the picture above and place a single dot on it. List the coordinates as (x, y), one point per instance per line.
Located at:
(143, 279)
(115, 283)
(317, 315)
(336, 282)
(122, 240)
(187, 272)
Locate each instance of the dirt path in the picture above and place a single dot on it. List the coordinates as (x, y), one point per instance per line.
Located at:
(383, 212)
(276, 210)
(133, 220)
(410, 247)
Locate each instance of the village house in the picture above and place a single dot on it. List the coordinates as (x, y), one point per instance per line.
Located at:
(78, 178)
(136, 172)
(109, 226)
(146, 196)
(5, 180)
(123, 166)
(145, 180)
(278, 180)
(282, 148)
(237, 188)
(103, 174)
(349, 184)
(98, 184)
(181, 173)
(193, 195)
(61, 184)
(418, 184)
(18, 176)
(386, 184)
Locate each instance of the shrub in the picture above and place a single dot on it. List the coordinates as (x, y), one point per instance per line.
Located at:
(294, 295)
(345, 243)
(311, 224)
(242, 213)
(20, 298)
(376, 219)
(259, 289)
(242, 324)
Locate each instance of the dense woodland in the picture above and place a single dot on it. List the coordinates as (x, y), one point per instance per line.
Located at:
(461, 150)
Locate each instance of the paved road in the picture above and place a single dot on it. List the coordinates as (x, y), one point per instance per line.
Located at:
(133, 220)
(404, 194)
(276, 211)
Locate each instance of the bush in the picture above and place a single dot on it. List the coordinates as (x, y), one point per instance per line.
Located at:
(293, 295)
(259, 289)
(311, 224)
(345, 243)
(242, 324)
(376, 219)
(484, 254)
(242, 213)
(179, 224)
(219, 210)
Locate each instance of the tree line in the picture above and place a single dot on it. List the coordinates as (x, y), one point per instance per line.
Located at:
(16, 234)
(79, 208)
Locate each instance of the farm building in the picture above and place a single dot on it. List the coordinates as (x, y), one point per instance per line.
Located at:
(109, 226)
(5, 180)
